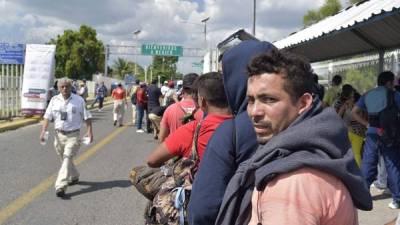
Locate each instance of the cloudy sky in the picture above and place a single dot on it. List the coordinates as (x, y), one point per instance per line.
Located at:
(175, 22)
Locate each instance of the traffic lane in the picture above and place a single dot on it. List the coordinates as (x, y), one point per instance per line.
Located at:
(104, 194)
(25, 163)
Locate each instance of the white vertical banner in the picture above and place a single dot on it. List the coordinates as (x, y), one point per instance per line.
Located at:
(37, 79)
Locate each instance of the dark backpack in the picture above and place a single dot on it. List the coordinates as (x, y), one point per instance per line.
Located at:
(389, 122)
(133, 96)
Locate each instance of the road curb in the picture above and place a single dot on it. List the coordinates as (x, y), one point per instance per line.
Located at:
(18, 123)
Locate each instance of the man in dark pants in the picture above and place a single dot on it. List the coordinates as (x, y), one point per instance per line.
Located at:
(373, 102)
(153, 101)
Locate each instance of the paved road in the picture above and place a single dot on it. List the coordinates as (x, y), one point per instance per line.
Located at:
(104, 194)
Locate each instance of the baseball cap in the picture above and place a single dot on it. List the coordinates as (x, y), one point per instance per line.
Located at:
(171, 84)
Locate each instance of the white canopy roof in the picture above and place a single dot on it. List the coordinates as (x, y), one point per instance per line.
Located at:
(365, 27)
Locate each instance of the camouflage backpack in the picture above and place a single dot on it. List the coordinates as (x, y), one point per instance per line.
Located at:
(169, 206)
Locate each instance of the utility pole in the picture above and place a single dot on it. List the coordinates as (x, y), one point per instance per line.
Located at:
(106, 52)
(205, 31)
(254, 18)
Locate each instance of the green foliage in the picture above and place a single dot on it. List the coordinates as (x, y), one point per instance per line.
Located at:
(352, 2)
(122, 67)
(362, 79)
(330, 7)
(311, 17)
(165, 67)
(79, 54)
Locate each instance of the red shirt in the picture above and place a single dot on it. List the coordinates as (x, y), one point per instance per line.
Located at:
(179, 143)
(172, 117)
(118, 93)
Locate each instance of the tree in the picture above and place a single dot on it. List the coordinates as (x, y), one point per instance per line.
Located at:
(120, 67)
(79, 54)
(330, 7)
(352, 2)
(165, 67)
(362, 79)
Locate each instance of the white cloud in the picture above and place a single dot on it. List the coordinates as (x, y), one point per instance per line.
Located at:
(160, 21)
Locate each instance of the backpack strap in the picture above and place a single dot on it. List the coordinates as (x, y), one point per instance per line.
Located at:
(179, 203)
(390, 98)
(195, 155)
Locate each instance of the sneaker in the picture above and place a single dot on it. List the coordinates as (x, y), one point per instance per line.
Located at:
(60, 192)
(73, 181)
(377, 186)
(140, 131)
(394, 205)
(99, 110)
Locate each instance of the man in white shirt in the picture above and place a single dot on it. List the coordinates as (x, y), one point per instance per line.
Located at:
(164, 88)
(83, 90)
(68, 112)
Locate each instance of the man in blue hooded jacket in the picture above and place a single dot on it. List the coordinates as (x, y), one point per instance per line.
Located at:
(233, 142)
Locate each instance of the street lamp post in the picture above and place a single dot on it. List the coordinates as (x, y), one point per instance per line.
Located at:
(205, 30)
(136, 33)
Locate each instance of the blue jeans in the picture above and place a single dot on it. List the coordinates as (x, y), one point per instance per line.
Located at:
(372, 148)
(140, 115)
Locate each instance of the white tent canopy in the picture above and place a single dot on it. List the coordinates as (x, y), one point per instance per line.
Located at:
(369, 26)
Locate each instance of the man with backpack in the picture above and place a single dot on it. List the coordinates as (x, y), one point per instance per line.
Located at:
(212, 100)
(132, 93)
(383, 134)
(174, 114)
(154, 95)
(101, 93)
(141, 106)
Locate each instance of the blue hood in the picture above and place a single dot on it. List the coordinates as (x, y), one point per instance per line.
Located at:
(234, 64)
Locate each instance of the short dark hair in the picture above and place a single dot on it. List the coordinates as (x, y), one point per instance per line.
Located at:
(154, 81)
(137, 81)
(336, 80)
(296, 71)
(187, 82)
(315, 78)
(384, 77)
(211, 87)
(347, 91)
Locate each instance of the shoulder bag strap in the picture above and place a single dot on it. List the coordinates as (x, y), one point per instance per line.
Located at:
(195, 155)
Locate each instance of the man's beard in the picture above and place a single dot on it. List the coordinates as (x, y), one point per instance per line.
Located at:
(265, 125)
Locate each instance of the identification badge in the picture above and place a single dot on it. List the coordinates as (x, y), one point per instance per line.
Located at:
(64, 116)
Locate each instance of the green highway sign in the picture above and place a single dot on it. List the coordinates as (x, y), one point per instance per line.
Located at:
(164, 50)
